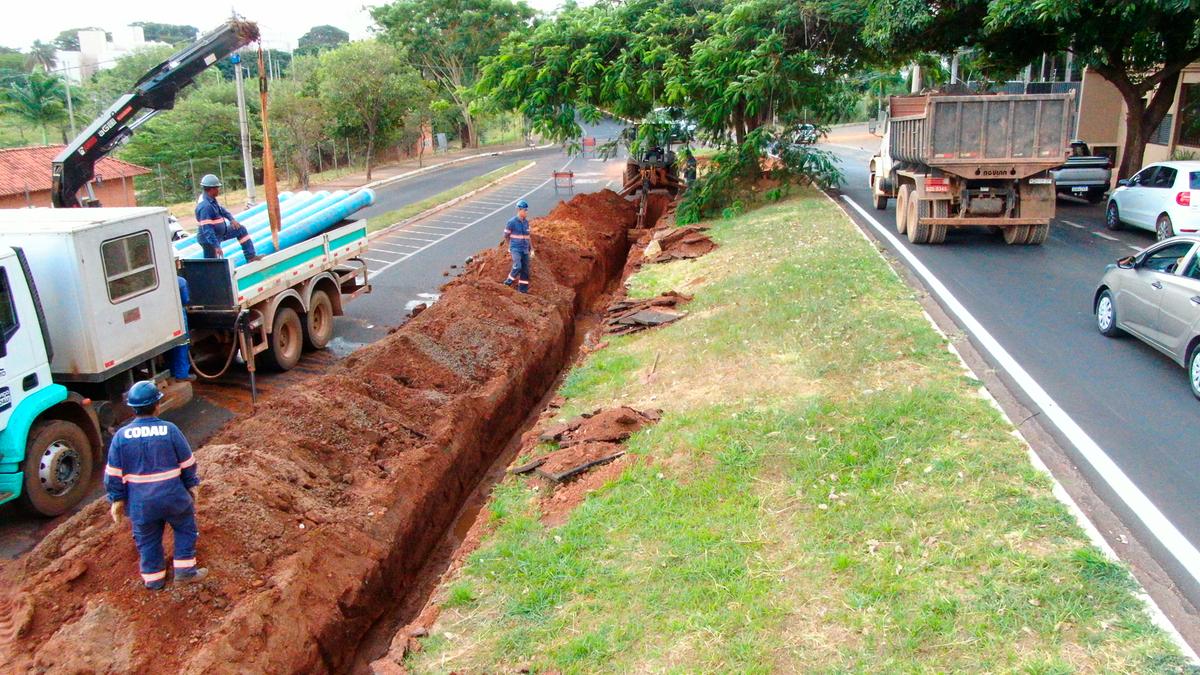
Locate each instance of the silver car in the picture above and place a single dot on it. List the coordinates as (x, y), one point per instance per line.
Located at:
(1155, 296)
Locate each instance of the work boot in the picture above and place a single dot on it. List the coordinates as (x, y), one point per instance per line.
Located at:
(191, 576)
(156, 585)
(186, 378)
(253, 258)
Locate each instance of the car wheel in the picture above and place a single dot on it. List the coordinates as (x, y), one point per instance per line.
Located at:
(1112, 217)
(1194, 371)
(1163, 229)
(1106, 315)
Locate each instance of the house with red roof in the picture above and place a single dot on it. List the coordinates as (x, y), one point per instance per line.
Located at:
(25, 178)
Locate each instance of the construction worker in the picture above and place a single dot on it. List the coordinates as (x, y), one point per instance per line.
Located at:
(217, 224)
(151, 476)
(520, 246)
(689, 164)
(177, 357)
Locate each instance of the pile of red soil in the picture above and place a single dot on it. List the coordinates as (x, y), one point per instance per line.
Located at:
(318, 511)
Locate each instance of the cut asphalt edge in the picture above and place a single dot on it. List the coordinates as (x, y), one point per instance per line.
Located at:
(1154, 520)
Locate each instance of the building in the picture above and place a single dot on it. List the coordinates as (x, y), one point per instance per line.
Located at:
(97, 52)
(1102, 120)
(25, 178)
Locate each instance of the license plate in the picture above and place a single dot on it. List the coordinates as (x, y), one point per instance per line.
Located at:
(1079, 190)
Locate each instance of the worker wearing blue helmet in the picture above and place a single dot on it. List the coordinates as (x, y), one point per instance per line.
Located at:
(151, 476)
(520, 246)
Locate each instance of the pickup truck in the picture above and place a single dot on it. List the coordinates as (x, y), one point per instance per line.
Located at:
(1084, 175)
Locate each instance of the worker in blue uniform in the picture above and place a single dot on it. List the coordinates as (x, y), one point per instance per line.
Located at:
(520, 246)
(217, 224)
(177, 357)
(151, 476)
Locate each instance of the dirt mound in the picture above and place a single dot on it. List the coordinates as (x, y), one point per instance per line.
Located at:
(612, 425)
(318, 510)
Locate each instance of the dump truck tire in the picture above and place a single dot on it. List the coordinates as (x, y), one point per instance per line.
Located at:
(937, 233)
(1016, 234)
(286, 341)
(1038, 234)
(58, 466)
(902, 208)
(917, 225)
(318, 321)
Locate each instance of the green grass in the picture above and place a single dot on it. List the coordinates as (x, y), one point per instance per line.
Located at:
(826, 492)
(391, 217)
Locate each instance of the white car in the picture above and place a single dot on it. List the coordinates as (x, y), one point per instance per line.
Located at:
(1163, 197)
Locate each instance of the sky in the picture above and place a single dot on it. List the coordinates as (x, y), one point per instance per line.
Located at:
(281, 22)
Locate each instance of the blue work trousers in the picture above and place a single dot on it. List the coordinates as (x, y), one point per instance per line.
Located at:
(224, 232)
(520, 270)
(148, 537)
(177, 358)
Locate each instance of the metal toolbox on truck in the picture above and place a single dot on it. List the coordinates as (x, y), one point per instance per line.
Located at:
(106, 278)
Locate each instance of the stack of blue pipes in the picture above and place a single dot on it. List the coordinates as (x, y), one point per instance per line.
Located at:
(302, 215)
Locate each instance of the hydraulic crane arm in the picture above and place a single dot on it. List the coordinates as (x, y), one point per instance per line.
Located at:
(154, 92)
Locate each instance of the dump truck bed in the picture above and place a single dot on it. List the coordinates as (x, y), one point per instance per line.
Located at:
(1001, 136)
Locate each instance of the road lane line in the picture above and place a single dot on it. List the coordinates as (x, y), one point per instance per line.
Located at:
(1155, 521)
(1075, 225)
(381, 262)
(1105, 236)
(376, 246)
(415, 238)
(376, 272)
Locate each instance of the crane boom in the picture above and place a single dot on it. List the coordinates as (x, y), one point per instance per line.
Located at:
(154, 92)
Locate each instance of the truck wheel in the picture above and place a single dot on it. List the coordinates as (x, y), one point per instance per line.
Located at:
(1016, 234)
(902, 208)
(937, 233)
(58, 466)
(1038, 234)
(880, 202)
(918, 228)
(318, 322)
(287, 341)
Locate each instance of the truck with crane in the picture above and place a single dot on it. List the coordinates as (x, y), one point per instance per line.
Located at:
(89, 299)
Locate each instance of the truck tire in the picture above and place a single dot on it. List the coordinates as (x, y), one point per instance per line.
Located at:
(318, 321)
(58, 467)
(918, 213)
(937, 233)
(902, 208)
(286, 341)
(1015, 235)
(880, 202)
(1038, 234)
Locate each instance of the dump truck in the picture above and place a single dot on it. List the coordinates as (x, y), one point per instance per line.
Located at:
(954, 161)
(89, 304)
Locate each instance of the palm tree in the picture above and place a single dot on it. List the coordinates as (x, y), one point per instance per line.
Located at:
(41, 54)
(37, 98)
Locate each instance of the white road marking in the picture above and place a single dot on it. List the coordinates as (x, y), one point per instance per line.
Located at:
(382, 262)
(428, 227)
(379, 270)
(1155, 521)
(408, 238)
(376, 246)
(1105, 236)
(1075, 225)
(405, 246)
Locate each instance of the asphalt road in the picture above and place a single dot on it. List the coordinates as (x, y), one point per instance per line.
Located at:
(407, 267)
(1036, 301)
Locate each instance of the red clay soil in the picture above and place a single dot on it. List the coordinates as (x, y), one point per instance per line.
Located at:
(318, 511)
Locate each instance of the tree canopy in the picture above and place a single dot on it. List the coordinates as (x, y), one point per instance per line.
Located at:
(68, 40)
(170, 33)
(320, 38)
(38, 98)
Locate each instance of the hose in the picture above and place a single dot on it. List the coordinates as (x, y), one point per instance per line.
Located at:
(228, 360)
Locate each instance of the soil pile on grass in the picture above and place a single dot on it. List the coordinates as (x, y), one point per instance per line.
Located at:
(318, 510)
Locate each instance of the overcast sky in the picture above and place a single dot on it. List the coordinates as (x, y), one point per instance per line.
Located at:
(281, 21)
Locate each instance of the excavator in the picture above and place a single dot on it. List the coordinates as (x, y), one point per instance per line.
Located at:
(651, 167)
(74, 167)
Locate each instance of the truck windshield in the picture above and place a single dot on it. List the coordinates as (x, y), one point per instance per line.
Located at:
(1194, 180)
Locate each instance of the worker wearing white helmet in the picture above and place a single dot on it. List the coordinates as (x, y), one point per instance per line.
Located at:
(217, 224)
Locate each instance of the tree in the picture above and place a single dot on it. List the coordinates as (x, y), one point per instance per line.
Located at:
(170, 33)
(105, 86)
(369, 90)
(300, 122)
(68, 40)
(449, 38)
(38, 98)
(321, 38)
(41, 55)
(1140, 46)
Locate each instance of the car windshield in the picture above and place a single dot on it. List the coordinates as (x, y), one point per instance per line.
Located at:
(1194, 180)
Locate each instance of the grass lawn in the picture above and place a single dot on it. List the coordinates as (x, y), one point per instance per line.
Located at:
(827, 492)
(391, 217)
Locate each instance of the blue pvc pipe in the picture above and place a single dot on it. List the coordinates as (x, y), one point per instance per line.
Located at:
(314, 224)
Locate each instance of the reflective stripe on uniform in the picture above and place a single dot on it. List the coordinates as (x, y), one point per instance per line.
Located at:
(190, 461)
(519, 236)
(211, 221)
(152, 477)
(112, 471)
(190, 562)
(156, 576)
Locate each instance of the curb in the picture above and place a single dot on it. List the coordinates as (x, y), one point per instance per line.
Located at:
(457, 160)
(445, 205)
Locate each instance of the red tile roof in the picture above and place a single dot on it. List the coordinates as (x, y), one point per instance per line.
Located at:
(24, 169)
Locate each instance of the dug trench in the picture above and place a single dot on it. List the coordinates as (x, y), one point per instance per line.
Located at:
(319, 513)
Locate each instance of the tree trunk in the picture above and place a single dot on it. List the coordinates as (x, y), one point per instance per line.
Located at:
(1141, 119)
(469, 129)
(45, 139)
(370, 153)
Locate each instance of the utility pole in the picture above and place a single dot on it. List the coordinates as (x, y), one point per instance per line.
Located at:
(70, 107)
(247, 161)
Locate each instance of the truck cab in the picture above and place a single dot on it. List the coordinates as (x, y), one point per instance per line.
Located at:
(50, 443)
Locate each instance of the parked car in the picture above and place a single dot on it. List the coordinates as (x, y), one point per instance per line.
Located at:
(1084, 175)
(1155, 296)
(177, 231)
(1158, 198)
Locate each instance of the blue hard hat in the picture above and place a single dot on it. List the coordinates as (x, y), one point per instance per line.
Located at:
(522, 204)
(143, 394)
